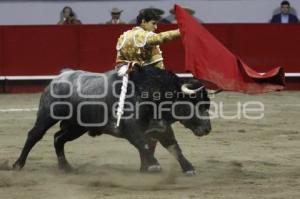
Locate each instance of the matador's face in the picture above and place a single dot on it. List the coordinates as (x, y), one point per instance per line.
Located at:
(149, 26)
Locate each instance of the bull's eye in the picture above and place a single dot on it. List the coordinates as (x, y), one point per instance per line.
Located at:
(182, 111)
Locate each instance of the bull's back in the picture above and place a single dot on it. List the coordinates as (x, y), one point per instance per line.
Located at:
(81, 84)
(72, 91)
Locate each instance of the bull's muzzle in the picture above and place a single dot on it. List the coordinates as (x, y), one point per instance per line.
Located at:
(202, 130)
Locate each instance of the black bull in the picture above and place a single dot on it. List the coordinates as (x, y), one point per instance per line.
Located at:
(86, 102)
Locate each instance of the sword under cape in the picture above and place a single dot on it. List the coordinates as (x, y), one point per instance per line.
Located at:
(123, 73)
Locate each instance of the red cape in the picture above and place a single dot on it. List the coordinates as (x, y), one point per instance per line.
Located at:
(208, 60)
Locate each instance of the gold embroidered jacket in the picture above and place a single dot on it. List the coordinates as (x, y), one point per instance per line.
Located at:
(142, 47)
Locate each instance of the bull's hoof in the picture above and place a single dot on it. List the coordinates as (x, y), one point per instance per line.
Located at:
(190, 173)
(17, 166)
(65, 168)
(143, 168)
(154, 168)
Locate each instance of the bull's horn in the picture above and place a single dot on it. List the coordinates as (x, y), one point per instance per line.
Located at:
(213, 92)
(186, 90)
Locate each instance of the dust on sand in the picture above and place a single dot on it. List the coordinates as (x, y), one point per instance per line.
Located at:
(240, 158)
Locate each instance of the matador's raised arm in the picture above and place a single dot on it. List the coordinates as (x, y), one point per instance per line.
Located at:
(160, 38)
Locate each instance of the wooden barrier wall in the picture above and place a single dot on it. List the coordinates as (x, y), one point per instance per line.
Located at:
(45, 50)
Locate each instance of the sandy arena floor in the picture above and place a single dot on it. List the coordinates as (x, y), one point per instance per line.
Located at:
(240, 158)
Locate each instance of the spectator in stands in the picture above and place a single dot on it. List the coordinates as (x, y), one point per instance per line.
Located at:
(68, 17)
(115, 16)
(285, 16)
